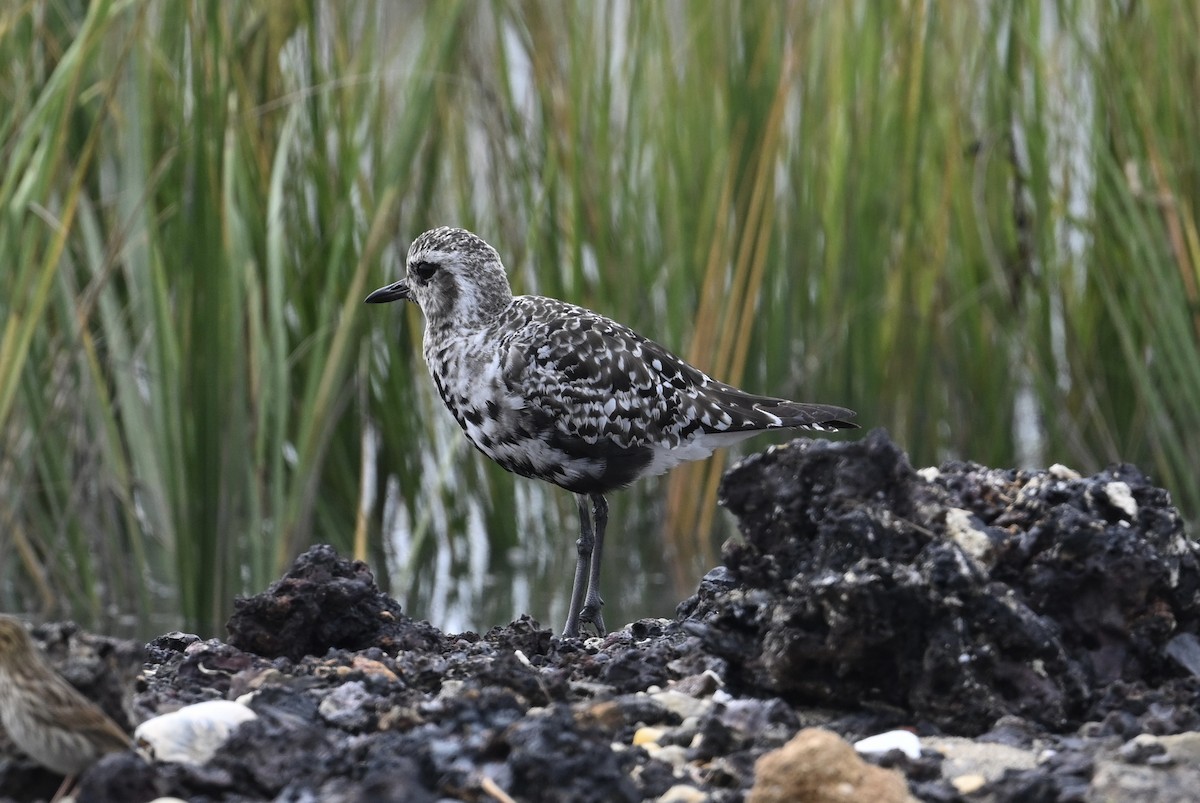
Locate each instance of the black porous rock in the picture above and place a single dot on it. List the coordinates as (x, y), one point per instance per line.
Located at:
(323, 602)
(584, 769)
(959, 595)
(119, 776)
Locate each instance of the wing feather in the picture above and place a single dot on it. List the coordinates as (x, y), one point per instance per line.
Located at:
(598, 379)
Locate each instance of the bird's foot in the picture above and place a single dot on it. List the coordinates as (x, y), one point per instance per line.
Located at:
(591, 615)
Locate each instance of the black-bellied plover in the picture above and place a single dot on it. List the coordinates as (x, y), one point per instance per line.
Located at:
(559, 393)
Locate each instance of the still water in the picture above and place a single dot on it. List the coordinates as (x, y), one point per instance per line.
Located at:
(458, 565)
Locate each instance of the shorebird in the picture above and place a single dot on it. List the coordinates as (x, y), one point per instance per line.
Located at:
(556, 392)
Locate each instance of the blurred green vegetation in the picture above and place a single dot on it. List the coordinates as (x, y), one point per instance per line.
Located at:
(972, 222)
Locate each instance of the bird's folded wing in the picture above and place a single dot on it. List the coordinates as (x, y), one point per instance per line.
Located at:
(597, 379)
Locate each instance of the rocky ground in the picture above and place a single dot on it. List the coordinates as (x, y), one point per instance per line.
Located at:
(1035, 631)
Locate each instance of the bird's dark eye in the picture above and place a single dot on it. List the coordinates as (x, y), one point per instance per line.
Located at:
(423, 270)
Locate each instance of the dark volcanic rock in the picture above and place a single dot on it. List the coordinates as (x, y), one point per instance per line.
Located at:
(959, 595)
(323, 602)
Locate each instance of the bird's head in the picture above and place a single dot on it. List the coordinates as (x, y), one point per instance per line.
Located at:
(15, 642)
(455, 278)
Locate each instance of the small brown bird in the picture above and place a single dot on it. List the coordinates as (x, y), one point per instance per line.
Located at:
(44, 715)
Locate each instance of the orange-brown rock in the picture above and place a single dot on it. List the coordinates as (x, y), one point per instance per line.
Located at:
(818, 766)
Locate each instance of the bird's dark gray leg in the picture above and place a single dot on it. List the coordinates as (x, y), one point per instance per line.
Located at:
(584, 550)
(593, 603)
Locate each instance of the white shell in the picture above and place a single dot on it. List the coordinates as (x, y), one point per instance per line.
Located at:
(906, 742)
(193, 734)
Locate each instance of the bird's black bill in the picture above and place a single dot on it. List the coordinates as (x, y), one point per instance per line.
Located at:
(396, 291)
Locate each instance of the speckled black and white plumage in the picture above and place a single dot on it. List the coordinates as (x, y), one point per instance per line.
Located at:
(557, 392)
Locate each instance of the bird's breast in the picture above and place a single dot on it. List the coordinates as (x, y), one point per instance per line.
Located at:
(499, 422)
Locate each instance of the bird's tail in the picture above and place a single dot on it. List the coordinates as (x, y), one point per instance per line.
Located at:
(824, 417)
(750, 412)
